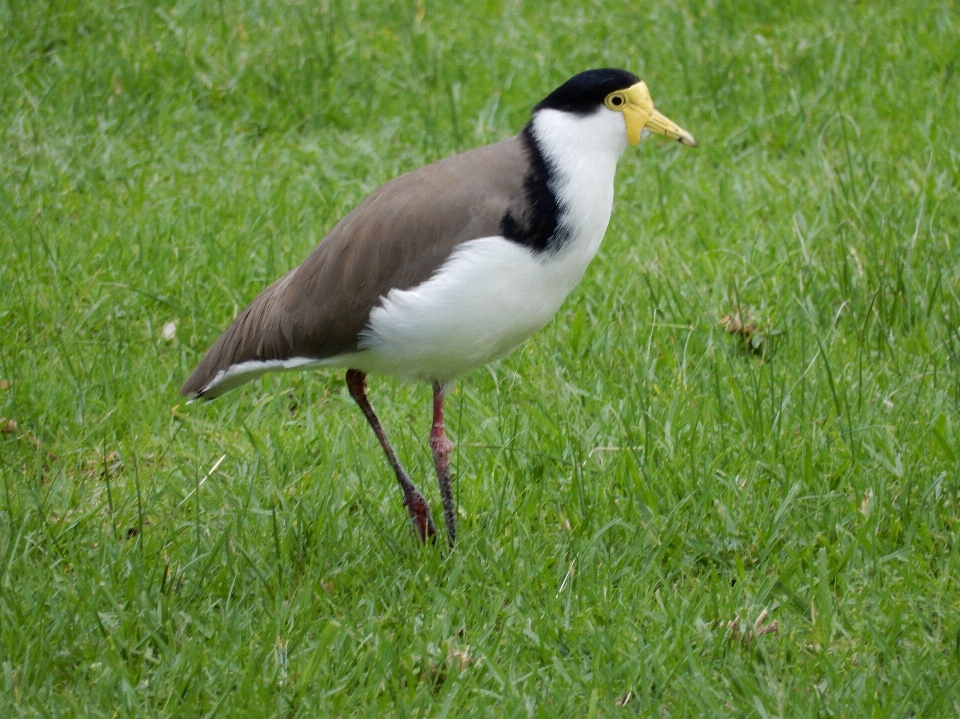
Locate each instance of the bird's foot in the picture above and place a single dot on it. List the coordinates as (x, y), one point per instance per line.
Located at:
(419, 512)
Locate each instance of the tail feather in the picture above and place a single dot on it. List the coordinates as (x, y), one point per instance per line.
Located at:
(256, 338)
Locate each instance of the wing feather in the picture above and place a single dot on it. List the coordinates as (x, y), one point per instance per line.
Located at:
(396, 238)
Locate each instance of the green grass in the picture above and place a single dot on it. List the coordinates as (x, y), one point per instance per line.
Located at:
(629, 483)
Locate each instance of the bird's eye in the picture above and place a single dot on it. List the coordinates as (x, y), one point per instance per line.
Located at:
(615, 101)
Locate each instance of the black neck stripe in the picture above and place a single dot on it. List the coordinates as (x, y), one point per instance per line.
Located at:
(537, 225)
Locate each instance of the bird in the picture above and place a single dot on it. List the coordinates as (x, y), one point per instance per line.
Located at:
(448, 267)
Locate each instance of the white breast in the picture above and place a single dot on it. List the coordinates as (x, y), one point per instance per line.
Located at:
(492, 293)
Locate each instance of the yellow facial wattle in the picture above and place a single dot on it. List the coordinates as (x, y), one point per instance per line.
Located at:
(639, 114)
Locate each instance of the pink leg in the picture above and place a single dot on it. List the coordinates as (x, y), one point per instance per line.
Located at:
(441, 448)
(416, 505)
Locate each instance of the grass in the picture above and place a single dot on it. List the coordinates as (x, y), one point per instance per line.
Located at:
(636, 486)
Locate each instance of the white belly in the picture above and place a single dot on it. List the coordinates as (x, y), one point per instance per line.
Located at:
(489, 297)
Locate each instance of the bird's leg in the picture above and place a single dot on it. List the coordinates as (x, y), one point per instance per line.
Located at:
(416, 505)
(441, 448)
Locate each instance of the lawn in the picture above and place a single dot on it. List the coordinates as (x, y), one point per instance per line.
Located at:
(723, 482)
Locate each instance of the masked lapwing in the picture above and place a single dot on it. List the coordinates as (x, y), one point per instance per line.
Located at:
(450, 266)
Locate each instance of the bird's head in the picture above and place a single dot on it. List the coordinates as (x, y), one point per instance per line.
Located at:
(616, 91)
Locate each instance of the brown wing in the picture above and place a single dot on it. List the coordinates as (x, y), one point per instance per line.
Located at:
(396, 238)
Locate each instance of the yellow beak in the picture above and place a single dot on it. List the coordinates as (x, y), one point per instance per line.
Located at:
(640, 115)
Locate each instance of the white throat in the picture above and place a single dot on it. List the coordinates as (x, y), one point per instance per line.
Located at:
(582, 152)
